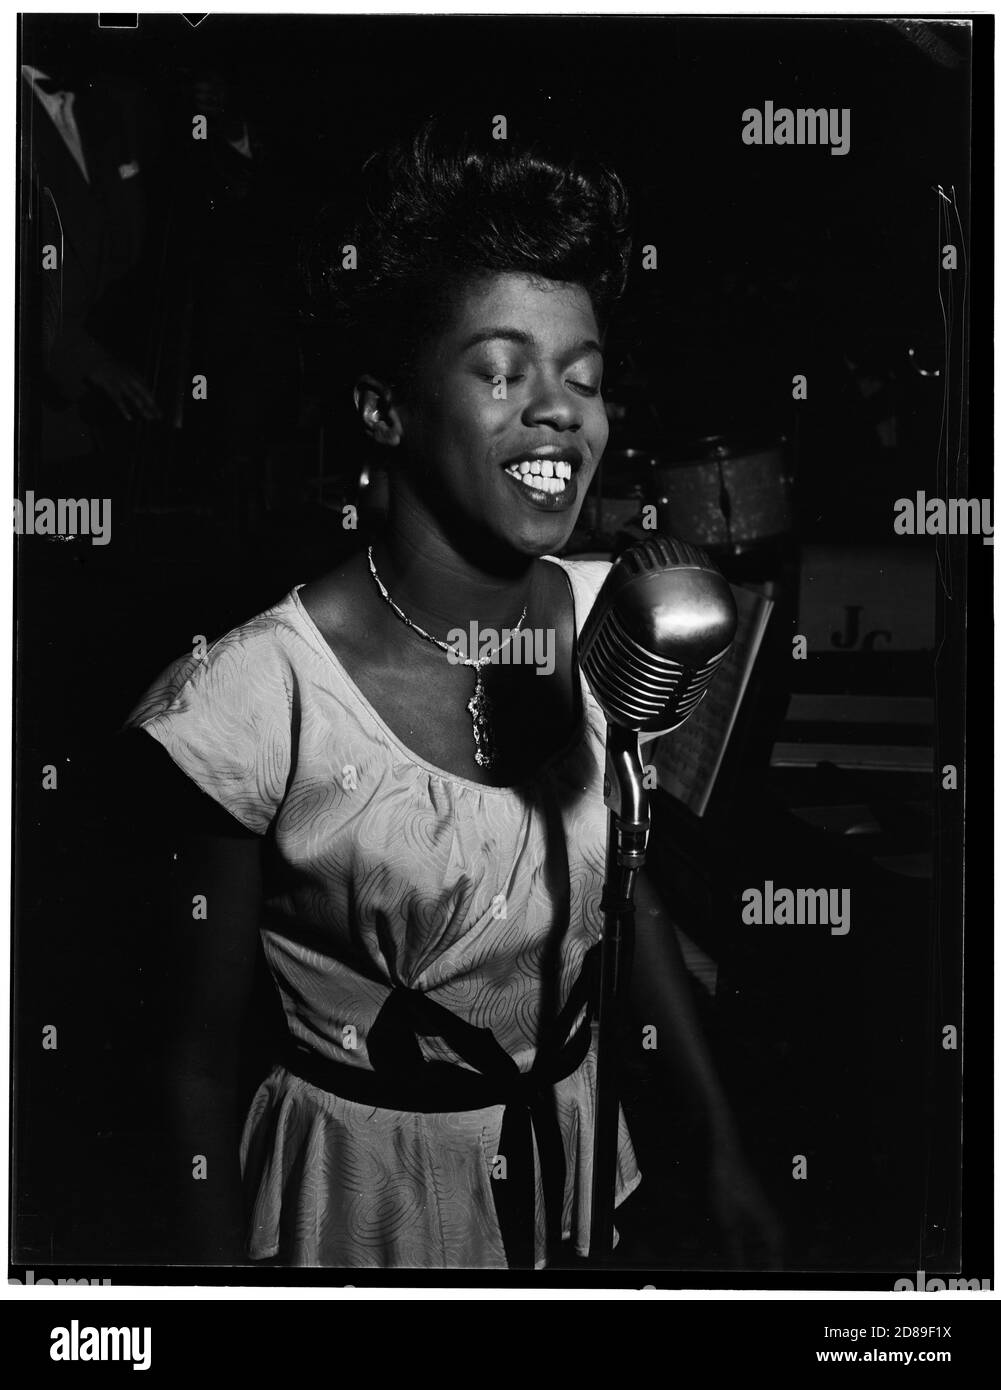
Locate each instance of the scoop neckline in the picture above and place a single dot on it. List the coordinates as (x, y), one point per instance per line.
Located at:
(576, 739)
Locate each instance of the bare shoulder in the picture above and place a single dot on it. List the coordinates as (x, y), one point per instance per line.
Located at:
(340, 601)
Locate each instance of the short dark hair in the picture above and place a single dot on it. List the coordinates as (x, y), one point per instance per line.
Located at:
(441, 210)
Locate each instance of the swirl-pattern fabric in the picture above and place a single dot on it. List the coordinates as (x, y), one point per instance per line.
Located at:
(395, 872)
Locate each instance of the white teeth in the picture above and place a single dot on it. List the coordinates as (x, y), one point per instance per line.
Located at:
(537, 481)
(543, 468)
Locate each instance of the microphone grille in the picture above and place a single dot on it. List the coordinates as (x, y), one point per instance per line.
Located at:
(638, 688)
(662, 552)
(659, 629)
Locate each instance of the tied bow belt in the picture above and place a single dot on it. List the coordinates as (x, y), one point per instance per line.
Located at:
(401, 1079)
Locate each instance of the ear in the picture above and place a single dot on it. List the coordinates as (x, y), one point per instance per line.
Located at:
(380, 417)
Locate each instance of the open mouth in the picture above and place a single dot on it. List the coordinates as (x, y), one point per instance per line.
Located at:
(547, 475)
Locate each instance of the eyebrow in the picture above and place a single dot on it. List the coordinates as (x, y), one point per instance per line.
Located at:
(516, 335)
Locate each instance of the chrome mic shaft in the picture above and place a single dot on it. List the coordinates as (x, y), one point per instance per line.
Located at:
(661, 625)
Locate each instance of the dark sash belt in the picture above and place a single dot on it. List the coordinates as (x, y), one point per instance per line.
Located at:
(401, 1079)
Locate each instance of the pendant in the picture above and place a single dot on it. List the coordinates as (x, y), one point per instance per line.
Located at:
(480, 707)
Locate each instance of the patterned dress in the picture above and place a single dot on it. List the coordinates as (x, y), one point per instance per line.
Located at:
(395, 874)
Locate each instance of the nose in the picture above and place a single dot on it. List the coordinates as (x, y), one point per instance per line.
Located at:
(553, 404)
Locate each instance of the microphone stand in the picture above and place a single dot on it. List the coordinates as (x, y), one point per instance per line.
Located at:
(628, 830)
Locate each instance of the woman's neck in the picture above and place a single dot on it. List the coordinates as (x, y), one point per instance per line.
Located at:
(441, 587)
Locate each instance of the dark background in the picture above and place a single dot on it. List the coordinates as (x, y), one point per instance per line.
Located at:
(772, 262)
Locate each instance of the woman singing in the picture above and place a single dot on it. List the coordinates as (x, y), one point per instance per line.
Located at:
(414, 824)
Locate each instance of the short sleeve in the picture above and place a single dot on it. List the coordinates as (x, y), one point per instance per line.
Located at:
(591, 574)
(226, 720)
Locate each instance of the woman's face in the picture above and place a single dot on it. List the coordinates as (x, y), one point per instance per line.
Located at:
(504, 424)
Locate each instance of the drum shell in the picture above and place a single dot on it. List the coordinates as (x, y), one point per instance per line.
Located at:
(750, 481)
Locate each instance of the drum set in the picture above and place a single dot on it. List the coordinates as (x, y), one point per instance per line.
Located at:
(726, 494)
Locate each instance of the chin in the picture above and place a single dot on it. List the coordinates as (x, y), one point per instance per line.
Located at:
(544, 539)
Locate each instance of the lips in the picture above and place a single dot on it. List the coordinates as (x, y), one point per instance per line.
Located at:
(558, 494)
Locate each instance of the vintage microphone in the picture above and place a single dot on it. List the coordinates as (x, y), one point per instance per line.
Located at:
(662, 623)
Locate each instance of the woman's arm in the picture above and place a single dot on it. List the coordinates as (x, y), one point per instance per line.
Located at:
(198, 884)
(214, 908)
(660, 995)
